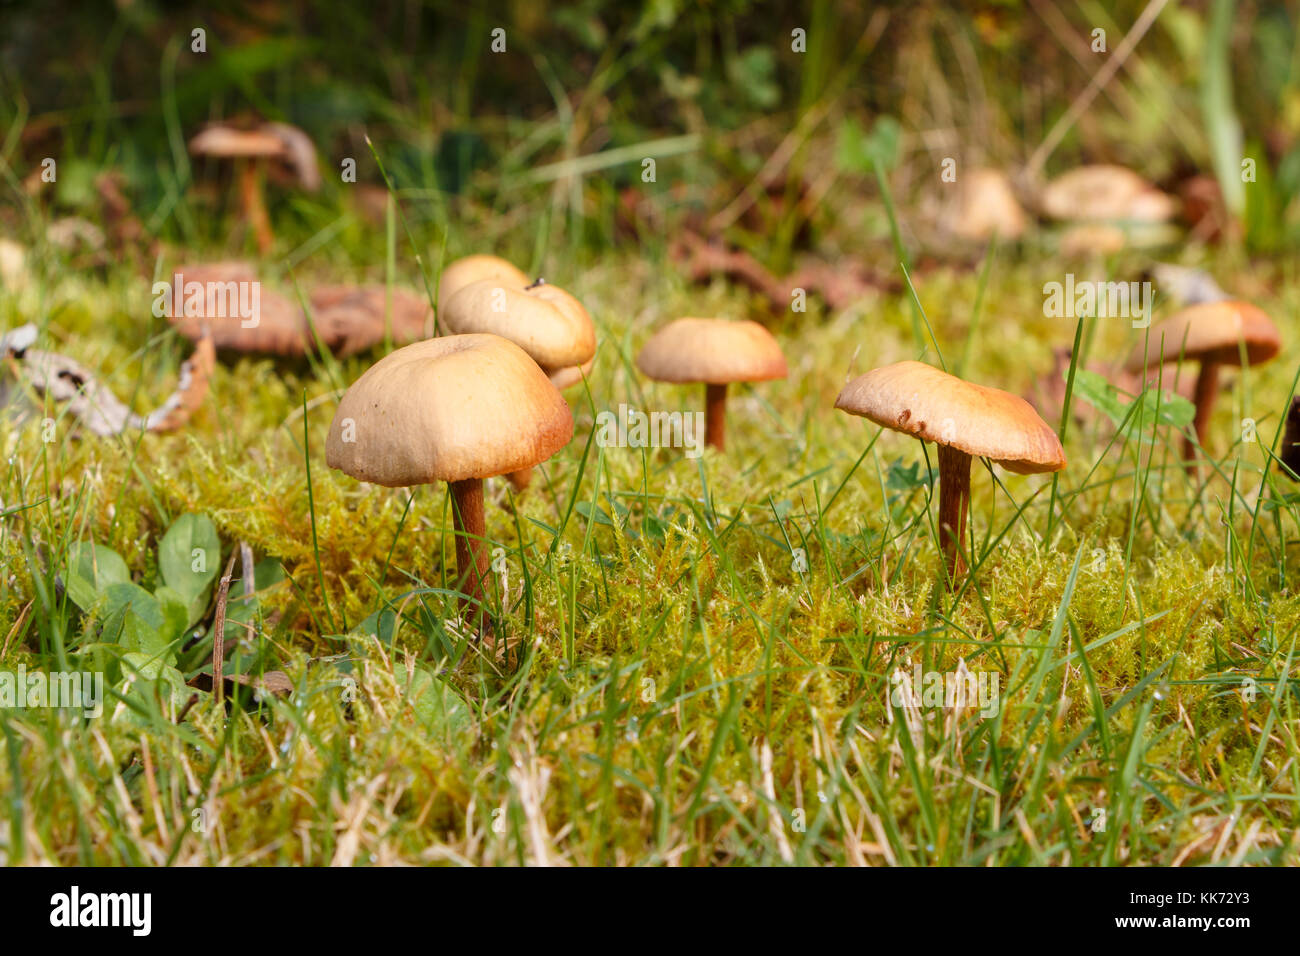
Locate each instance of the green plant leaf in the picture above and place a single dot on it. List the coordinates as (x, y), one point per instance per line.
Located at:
(148, 681)
(91, 569)
(437, 705)
(189, 558)
(1157, 409)
(134, 618)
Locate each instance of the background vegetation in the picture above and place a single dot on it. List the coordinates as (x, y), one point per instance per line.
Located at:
(679, 688)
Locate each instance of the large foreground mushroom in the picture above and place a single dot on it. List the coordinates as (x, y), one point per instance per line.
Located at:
(1215, 334)
(457, 409)
(964, 420)
(716, 353)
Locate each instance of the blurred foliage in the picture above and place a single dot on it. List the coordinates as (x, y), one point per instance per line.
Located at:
(120, 85)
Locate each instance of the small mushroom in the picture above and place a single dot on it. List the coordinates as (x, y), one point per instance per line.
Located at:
(715, 352)
(964, 420)
(1212, 333)
(1106, 193)
(985, 205)
(545, 321)
(458, 409)
(456, 275)
(13, 265)
(251, 150)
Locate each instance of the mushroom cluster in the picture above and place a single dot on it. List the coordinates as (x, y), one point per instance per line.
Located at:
(488, 294)
(483, 399)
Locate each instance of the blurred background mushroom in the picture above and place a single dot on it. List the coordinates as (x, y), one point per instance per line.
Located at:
(1107, 208)
(285, 151)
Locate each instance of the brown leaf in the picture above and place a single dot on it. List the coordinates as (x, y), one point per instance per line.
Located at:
(95, 405)
(347, 319)
(276, 683)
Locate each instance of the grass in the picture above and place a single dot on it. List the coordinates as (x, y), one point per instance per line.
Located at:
(682, 688)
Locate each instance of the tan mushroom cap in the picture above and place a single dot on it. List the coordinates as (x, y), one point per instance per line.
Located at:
(456, 275)
(1210, 332)
(544, 320)
(226, 142)
(712, 351)
(1106, 192)
(987, 205)
(920, 400)
(448, 409)
(571, 375)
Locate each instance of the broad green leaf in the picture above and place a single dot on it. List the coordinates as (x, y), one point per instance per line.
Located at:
(91, 569)
(135, 619)
(905, 479)
(1157, 409)
(189, 558)
(175, 614)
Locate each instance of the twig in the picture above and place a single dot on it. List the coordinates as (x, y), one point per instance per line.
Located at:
(219, 631)
(1099, 80)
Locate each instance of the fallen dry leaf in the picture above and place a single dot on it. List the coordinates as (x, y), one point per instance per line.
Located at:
(346, 319)
(93, 404)
(839, 284)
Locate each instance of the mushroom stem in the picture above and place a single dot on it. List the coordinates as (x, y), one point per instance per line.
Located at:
(954, 502)
(715, 416)
(251, 206)
(1207, 390)
(471, 544)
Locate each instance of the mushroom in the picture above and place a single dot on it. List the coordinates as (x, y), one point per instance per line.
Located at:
(1213, 333)
(13, 265)
(458, 409)
(1101, 193)
(985, 205)
(251, 150)
(965, 420)
(456, 275)
(544, 320)
(715, 352)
